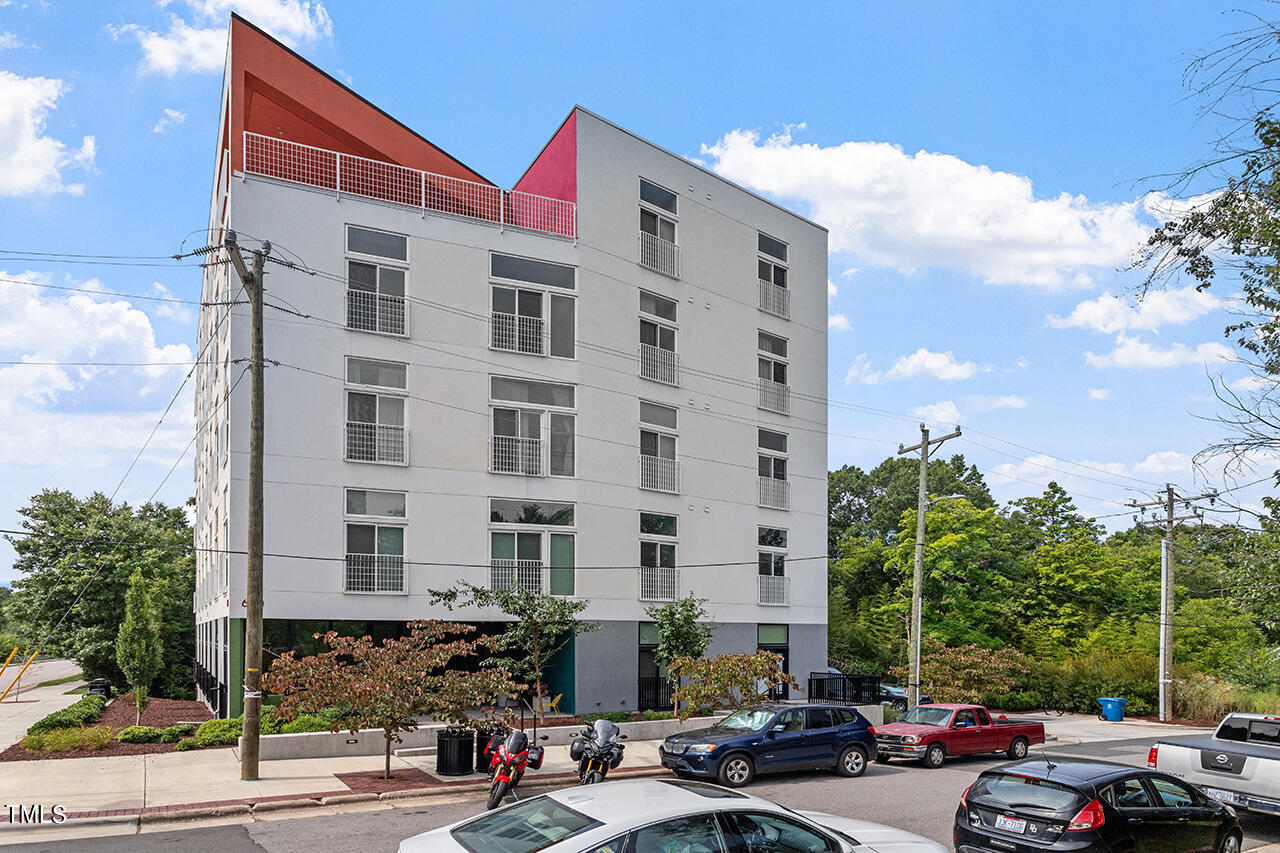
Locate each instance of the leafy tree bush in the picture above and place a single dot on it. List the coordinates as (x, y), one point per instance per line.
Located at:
(173, 734)
(138, 651)
(305, 723)
(729, 681)
(61, 740)
(656, 715)
(84, 711)
(185, 744)
(219, 732)
(139, 734)
(964, 673)
(611, 716)
(682, 629)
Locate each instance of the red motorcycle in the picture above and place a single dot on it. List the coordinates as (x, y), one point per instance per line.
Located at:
(508, 761)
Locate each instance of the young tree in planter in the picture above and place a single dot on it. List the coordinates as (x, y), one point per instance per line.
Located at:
(385, 686)
(682, 633)
(730, 681)
(138, 651)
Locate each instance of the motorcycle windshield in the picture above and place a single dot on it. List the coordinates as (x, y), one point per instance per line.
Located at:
(517, 742)
(605, 732)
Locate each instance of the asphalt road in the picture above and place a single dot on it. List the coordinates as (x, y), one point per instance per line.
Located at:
(899, 794)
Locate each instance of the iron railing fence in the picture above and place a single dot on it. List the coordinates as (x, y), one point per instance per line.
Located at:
(511, 455)
(834, 689)
(374, 573)
(775, 494)
(775, 397)
(659, 255)
(508, 574)
(376, 312)
(775, 300)
(368, 442)
(655, 693)
(659, 475)
(774, 589)
(660, 365)
(515, 333)
(659, 583)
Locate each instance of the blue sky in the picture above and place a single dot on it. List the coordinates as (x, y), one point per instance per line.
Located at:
(980, 166)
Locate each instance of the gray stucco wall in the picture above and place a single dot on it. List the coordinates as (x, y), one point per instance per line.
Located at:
(608, 668)
(808, 652)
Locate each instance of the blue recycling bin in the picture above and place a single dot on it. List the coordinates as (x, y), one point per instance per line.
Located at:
(1112, 708)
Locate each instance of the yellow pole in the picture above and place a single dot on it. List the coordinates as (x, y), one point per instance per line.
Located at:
(9, 658)
(20, 674)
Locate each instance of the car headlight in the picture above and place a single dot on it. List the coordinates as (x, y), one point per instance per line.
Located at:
(910, 739)
(702, 748)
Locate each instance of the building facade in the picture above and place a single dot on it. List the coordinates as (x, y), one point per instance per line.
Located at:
(606, 383)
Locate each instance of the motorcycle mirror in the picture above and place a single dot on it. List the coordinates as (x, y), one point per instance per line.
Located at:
(622, 737)
(544, 737)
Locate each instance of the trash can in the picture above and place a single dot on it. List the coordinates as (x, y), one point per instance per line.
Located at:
(1112, 708)
(483, 735)
(100, 687)
(455, 751)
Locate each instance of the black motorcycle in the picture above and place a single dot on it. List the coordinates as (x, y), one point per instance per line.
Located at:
(597, 751)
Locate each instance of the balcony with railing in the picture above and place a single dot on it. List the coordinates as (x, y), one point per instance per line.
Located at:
(775, 300)
(375, 312)
(774, 589)
(517, 334)
(509, 574)
(659, 255)
(346, 174)
(775, 397)
(368, 442)
(374, 573)
(659, 583)
(659, 475)
(660, 365)
(511, 455)
(774, 494)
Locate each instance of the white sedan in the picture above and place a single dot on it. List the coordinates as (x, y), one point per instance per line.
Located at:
(661, 816)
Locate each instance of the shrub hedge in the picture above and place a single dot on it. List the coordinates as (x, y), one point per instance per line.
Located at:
(185, 744)
(173, 734)
(138, 734)
(218, 732)
(73, 716)
(59, 740)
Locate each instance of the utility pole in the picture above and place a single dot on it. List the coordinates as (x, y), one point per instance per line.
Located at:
(917, 575)
(1170, 498)
(251, 728)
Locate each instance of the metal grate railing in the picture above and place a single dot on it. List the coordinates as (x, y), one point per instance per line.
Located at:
(508, 574)
(775, 494)
(511, 455)
(374, 573)
(774, 589)
(347, 174)
(835, 689)
(775, 300)
(660, 365)
(517, 334)
(658, 583)
(375, 312)
(368, 442)
(659, 475)
(775, 397)
(659, 255)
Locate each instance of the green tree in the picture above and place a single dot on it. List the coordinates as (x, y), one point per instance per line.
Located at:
(1049, 518)
(729, 681)
(965, 673)
(138, 651)
(682, 629)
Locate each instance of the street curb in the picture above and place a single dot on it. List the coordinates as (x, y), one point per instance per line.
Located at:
(103, 820)
(173, 815)
(281, 805)
(343, 799)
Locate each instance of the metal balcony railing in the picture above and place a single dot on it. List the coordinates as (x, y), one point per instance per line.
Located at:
(775, 300)
(376, 443)
(660, 365)
(658, 583)
(517, 334)
(375, 312)
(774, 589)
(345, 174)
(508, 574)
(775, 397)
(659, 475)
(775, 494)
(511, 455)
(374, 573)
(659, 255)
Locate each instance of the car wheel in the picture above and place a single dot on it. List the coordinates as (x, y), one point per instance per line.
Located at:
(900, 705)
(935, 756)
(881, 758)
(852, 762)
(735, 770)
(1230, 843)
(1017, 749)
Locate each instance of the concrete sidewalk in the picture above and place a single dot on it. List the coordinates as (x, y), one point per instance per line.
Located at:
(28, 703)
(1087, 728)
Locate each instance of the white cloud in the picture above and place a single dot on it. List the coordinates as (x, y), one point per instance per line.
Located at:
(1009, 401)
(9, 41)
(909, 211)
(838, 323)
(1110, 314)
(831, 291)
(921, 364)
(176, 311)
(1249, 384)
(1040, 469)
(1099, 393)
(1165, 462)
(1134, 354)
(941, 413)
(30, 160)
(171, 118)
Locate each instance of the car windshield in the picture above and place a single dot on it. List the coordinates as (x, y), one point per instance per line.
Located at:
(1022, 792)
(523, 828)
(926, 716)
(746, 720)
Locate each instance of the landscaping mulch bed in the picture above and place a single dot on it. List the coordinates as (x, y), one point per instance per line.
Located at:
(121, 713)
(402, 779)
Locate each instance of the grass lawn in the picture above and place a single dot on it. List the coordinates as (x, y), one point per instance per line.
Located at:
(67, 680)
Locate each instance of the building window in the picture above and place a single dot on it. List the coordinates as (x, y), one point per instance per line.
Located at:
(773, 583)
(659, 470)
(775, 395)
(658, 249)
(532, 320)
(654, 524)
(384, 504)
(376, 290)
(775, 490)
(658, 358)
(659, 577)
(375, 558)
(776, 638)
(771, 259)
(375, 430)
(381, 374)
(530, 547)
(535, 437)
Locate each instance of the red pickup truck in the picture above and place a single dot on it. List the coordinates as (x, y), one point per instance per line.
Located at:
(930, 733)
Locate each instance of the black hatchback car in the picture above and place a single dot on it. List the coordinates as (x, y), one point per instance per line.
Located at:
(1034, 806)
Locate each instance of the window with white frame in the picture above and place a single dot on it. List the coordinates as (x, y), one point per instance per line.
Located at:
(775, 395)
(530, 312)
(375, 541)
(659, 577)
(375, 428)
(659, 470)
(658, 249)
(772, 552)
(376, 266)
(533, 428)
(531, 545)
(771, 260)
(775, 490)
(658, 358)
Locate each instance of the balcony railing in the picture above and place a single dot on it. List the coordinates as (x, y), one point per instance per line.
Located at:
(660, 365)
(345, 174)
(511, 455)
(517, 334)
(659, 475)
(774, 590)
(659, 255)
(508, 574)
(658, 583)
(375, 312)
(775, 494)
(775, 397)
(374, 573)
(376, 443)
(774, 299)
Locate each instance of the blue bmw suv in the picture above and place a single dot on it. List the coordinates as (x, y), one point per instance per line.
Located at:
(771, 738)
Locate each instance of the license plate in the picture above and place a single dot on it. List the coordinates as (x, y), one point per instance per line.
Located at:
(1221, 796)
(1012, 824)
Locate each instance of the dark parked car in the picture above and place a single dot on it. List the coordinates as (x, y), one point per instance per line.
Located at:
(770, 738)
(897, 697)
(1089, 806)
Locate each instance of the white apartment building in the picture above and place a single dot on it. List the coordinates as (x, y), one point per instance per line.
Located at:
(607, 383)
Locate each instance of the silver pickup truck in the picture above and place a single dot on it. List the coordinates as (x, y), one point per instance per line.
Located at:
(1239, 765)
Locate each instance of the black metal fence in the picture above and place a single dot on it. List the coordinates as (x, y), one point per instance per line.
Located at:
(210, 689)
(833, 689)
(655, 694)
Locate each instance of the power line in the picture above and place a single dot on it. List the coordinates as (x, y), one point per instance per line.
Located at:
(86, 292)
